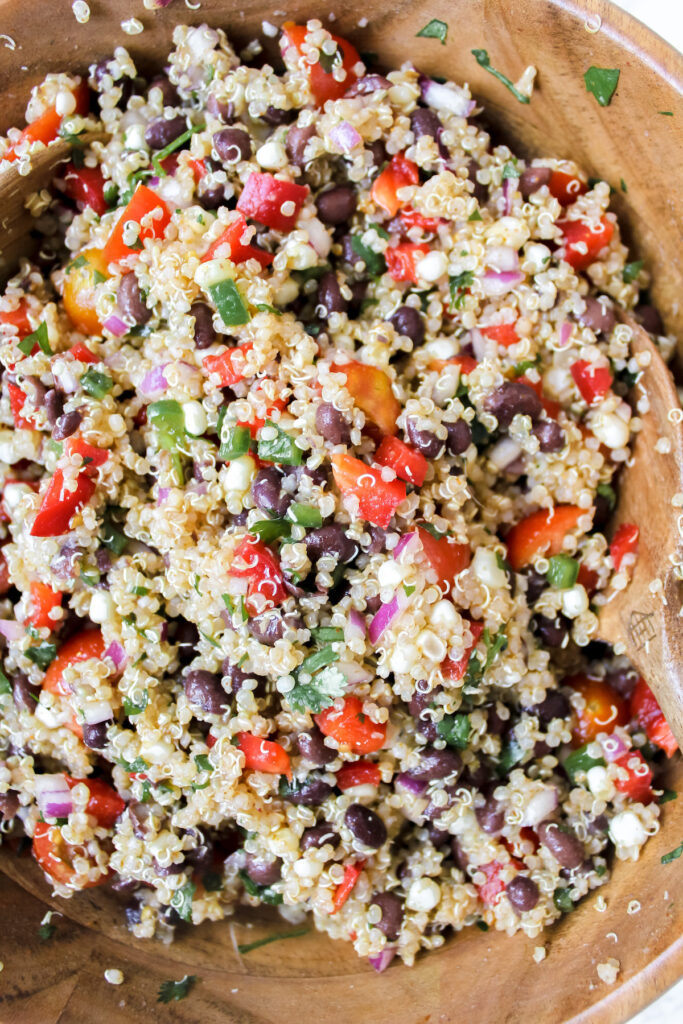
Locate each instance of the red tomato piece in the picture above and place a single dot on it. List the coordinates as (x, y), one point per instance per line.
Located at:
(542, 532)
(239, 250)
(80, 647)
(466, 364)
(402, 260)
(358, 773)
(638, 784)
(493, 888)
(592, 380)
(92, 457)
(56, 857)
(46, 127)
(624, 542)
(345, 887)
(259, 565)
(502, 334)
(85, 186)
(229, 365)
(105, 804)
(144, 202)
(604, 709)
(372, 392)
(412, 219)
(43, 600)
(261, 755)
(324, 85)
(83, 354)
(588, 578)
(446, 557)
(351, 727)
(582, 243)
(566, 188)
(398, 174)
(455, 670)
(646, 710)
(18, 318)
(263, 197)
(17, 400)
(406, 462)
(378, 499)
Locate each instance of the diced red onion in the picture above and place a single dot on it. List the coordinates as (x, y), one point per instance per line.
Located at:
(53, 796)
(115, 325)
(565, 332)
(496, 284)
(117, 653)
(504, 452)
(345, 136)
(407, 540)
(540, 806)
(11, 630)
(509, 186)
(356, 624)
(407, 782)
(318, 236)
(445, 97)
(162, 495)
(613, 747)
(98, 711)
(158, 4)
(502, 257)
(154, 382)
(383, 959)
(479, 344)
(386, 615)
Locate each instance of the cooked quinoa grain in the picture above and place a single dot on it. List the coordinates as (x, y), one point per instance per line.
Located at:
(310, 414)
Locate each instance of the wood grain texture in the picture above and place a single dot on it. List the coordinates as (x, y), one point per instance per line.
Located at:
(483, 978)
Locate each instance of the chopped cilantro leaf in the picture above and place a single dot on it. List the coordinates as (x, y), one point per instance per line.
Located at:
(281, 449)
(374, 261)
(672, 855)
(181, 901)
(459, 285)
(132, 707)
(43, 655)
(161, 155)
(37, 337)
(435, 29)
(482, 58)
(563, 900)
(623, 185)
(327, 634)
(5, 685)
(96, 384)
(169, 990)
(668, 794)
(602, 83)
(261, 892)
(321, 692)
(455, 730)
(203, 763)
(270, 529)
(631, 271)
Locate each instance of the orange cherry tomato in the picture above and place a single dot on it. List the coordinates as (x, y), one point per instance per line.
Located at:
(604, 708)
(56, 857)
(261, 755)
(371, 390)
(351, 727)
(542, 532)
(80, 647)
(80, 291)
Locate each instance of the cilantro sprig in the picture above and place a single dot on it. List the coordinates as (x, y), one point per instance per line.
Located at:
(482, 58)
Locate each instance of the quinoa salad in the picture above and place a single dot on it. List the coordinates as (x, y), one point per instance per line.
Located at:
(313, 400)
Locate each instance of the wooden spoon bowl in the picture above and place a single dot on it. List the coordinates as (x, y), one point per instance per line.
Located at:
(488, 977)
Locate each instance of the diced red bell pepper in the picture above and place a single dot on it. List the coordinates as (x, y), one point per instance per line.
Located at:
(455, 670)
(85, 186)
(638, 785)
(402, 260)
(566, 188)
(198, 168)
(324, 85)
(399, 173)
(143, 203)
(83, 354)
(17, 400)
(345, 887)
(407, 463)
(254, 425)
(105, 804)
(582, 244)
(92, 457)
(271, 201)
(257, 563)
(351, 727)
(378, 499)
(239, 251)
(229, 365)
(604, 708)
(502, 334)
(45, 128)
(80, 647)
(358, 773)
(646, 710)
(59, 506)
(412, 219)
(43, 600)
(446, 557)
(261, 755)
(371, 391)
(18, 318)
(211, 741)
(592, 379)
(55, 857)
(624, 542)
(542, 532)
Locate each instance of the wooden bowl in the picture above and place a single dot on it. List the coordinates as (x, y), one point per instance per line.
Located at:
(486, 977)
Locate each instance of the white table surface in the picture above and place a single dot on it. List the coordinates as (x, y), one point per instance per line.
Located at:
(666, 18)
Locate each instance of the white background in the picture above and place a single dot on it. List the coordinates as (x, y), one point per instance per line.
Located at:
(666, 18)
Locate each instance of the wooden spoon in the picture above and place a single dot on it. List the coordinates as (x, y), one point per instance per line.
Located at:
(645, 619)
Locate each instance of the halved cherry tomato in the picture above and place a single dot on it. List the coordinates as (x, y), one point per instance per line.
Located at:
(638, 784)
(259, 565)
(398, 174)
(324, 85)
(264, 197)
(646, 710)
(46, 127)
(542, 532)
(378, 499)
(80, 290)
(239, 251)
(229, 365)
(502, 334)
(455, 670)
(446, 557)
(80, 647)
(351, 727)
(582, 243)
(145, 206)
(43, 600)
(604, 708)
(412, 219)
(85, 185)
(592, 380)
(55, 857)
(407, 462)
(402, 260)
(624, 542)
(358, 773)
(17, 400)
(371, 390)
(345, 887)
(261, 755)
(105, 804)
(566, 188)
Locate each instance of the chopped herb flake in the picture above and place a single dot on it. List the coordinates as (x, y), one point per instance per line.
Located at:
(263, 307)
(672, 855)
(46, 931)
(455, 729)
(181, 901)
(667, 795)
(43, 655)
(459, 286)
(170, 990)
(5, 685)
(374, 261)
(631, 271)
(602, 83)
(249, 946)
(563, 900)
(482, 58)
(321, 692)
(327, 634)
(435, 29)
(260, 892)
(37, 337)
(171, 148)
(132, 707)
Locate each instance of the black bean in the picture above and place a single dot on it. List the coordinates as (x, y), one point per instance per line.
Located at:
(391, 905)
(312, 792)
(532, 179)
(319, 835)
(541, 748)
(232, 145)
(536, 583)
(551, 632)
(330, 540)
(565, 848)
(511, 399)
(25, 694)
(603, 511)
(478, 774)
(131, 301)
(267, 492)
(166, 870)
(54, 404)
(368, 84)
(270, 627)
(332, 424)
(479, 191)
(234, 674)
(95, 736)
(649, 318)
(490, 816)
(459, 437)
(204, 332)
(598, 315)
(164, 131)
(366, 826)
(168, 90)
(373, 604)
(65, 564)
(459, 855)
(211, 197)
(623, 680)
(203, 690)
(329, 294)
(523, 893)
(296, 142)
(358, 292)
(550, 436)
(9, 805)
(336, 205)
(437, 836)
(421, 710)
(103, 560)
(278, 115)
(186, 637)
(133, 913)
(409, 322)
(554, 705)
(320, 475)
(495, 725)
(124, 84)
(426, 441)
(67, 424)
(378, 539)
(312, 746)
(263, 870)
(597, 825)
(221, 110)
(379, 152)
(436, 764)
(425, 122)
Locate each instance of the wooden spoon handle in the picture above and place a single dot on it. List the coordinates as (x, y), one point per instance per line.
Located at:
(645, 618)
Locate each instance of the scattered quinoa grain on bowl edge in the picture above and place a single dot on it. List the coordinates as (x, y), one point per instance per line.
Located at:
(313, 401)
